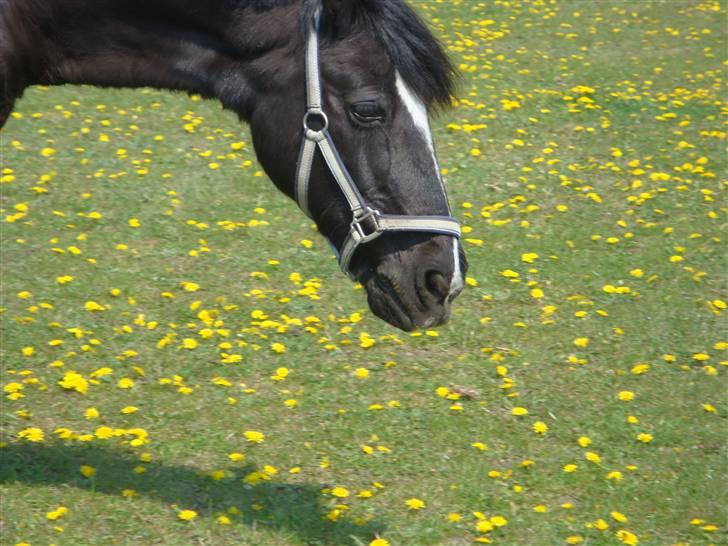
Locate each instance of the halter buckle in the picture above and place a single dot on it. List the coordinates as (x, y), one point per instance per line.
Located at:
(365, 227)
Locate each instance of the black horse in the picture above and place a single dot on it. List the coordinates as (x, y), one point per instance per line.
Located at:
(380, 70)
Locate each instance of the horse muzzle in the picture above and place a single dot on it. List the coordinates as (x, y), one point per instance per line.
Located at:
(413, 287)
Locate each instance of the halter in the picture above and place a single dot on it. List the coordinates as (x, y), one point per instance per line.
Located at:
(367, 223)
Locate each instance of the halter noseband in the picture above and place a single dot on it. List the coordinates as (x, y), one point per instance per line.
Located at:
(367, 223)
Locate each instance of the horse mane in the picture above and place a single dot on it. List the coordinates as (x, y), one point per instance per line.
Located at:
(411, 47)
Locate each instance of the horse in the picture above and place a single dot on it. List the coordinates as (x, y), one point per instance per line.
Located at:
(337, 95)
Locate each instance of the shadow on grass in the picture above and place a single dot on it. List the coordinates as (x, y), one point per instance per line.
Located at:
(289, 508)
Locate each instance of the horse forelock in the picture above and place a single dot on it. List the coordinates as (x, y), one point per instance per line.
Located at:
(414, 51)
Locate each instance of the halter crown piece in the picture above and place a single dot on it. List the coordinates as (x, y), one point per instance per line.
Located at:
(367, 223)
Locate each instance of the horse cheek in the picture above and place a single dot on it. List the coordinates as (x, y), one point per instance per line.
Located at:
(276, 140)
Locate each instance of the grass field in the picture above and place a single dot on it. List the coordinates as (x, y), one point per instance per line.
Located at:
(183, 364)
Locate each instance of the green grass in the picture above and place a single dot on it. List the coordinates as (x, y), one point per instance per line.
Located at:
(644, 163)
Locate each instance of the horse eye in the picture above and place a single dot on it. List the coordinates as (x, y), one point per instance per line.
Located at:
(367, 112)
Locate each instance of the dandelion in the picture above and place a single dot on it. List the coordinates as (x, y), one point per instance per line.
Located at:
(615, 475)
(74, 382)
(254, 437)
(31, 434)
(125, 383)
(415, 503)
(340, 492)
(189, 343)
(640, 368)
(57, 513)
(93, 306)
(626, 537)
(540, 427)
(187, 515)
(592, 457)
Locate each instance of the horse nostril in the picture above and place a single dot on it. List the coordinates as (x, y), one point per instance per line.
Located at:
(436, 284)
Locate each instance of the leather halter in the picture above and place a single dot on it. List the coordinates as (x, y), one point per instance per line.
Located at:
(367, 223)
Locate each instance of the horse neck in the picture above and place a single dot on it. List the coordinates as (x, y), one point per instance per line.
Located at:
(207, 47)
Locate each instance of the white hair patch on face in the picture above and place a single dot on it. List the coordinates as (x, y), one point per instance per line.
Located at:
(457, 283)
(418, 111)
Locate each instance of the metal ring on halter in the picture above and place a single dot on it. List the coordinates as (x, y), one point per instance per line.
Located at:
(317, 112)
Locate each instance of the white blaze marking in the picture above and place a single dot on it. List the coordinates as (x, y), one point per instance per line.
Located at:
(418, 111)
(456, 284)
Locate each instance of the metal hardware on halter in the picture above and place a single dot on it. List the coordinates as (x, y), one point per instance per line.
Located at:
(315, 112)
(357, 229)
(367, 223)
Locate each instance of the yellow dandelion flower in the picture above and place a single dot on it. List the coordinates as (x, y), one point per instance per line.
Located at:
(254, 437)
(592, 457)
(186, 515)
(415, 503)
(540, 427)
(31, 434)
(57, 513)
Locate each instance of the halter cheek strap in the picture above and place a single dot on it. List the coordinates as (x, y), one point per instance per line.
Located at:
(367, 223)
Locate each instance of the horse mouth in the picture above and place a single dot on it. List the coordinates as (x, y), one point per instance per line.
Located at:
(385, 300)
(388, 301)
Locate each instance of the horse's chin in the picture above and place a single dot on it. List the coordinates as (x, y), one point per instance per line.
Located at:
(388, 301)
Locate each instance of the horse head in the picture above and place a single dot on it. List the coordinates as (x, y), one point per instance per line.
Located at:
(380, 71)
